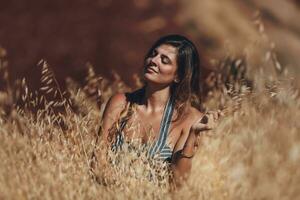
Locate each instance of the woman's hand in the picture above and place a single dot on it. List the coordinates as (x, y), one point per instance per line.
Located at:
(207, 122)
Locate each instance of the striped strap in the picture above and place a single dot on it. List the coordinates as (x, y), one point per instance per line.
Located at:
(119, 135)
(164, 129)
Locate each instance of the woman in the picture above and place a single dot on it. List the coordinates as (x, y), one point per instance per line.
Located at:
(168, 104)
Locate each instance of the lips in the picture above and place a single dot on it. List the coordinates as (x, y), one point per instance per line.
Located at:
(151, 69)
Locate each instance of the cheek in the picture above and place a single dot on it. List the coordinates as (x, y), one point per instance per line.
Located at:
(168, 70)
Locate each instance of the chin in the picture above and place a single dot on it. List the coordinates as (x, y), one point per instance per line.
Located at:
(154, 80)
(149, 78)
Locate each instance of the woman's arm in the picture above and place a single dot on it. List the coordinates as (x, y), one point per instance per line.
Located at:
(182, 158)
(186, 146)
(111, 113)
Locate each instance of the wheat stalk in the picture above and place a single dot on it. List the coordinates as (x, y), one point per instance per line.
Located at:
(51, 85)
(93, 84)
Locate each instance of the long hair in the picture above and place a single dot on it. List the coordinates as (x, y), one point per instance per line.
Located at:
(187, 91)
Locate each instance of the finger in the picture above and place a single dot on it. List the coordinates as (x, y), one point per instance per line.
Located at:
(214, 114)
(217, 114)
(211, 117)
(201, 127)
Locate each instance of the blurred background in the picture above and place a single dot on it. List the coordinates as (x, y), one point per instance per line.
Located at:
(113, 36)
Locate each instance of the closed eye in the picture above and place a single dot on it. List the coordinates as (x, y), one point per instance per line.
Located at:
(165, 59)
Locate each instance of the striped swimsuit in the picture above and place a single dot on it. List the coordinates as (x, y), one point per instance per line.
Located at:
(160, 147)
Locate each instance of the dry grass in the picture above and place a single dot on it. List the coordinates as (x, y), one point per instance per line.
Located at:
(253, 154)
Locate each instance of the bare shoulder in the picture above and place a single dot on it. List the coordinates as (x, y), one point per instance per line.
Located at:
(114, 106)
(112, 110)
(116, 100)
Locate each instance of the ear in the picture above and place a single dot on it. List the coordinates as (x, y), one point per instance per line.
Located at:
(176, 80)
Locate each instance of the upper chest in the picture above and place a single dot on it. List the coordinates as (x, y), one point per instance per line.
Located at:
(147, 127)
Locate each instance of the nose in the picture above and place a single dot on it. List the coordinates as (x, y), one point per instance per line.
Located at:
(154, 60)
(151, 63)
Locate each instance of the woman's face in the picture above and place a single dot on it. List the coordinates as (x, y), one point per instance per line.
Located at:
(161, 65)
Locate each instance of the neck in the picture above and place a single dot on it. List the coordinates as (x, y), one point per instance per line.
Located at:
(156, 98)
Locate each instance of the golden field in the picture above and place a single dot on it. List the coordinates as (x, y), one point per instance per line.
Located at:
(48, 136)
(46, 144)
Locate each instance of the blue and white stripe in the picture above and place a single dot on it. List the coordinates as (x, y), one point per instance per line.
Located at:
(159, 147)
(119, 138)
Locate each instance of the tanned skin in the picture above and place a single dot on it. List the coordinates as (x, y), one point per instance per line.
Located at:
(160, 73)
